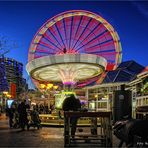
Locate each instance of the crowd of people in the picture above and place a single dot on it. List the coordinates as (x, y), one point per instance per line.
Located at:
(43, 108)
(18, 112)
(18, 115)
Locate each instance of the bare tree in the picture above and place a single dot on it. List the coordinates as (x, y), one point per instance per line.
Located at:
(6, 44)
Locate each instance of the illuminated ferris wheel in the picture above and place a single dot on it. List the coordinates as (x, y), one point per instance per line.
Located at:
(76, 32)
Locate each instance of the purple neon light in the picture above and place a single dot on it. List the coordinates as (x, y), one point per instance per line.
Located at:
(69, 83)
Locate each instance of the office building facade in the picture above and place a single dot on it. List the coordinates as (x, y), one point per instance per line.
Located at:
(11, 72)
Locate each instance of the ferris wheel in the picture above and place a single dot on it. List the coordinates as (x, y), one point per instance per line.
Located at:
(77, 32)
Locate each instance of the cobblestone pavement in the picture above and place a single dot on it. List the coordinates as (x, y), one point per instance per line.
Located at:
(50, 137)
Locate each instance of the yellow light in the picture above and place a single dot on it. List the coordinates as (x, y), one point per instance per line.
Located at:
(50, 85)
(105, 96)
(37, 39)
(96, 96)
(42, 86)
(55, 86)
(8, 95)
(5, 92)
(68, 93)
(43, 30)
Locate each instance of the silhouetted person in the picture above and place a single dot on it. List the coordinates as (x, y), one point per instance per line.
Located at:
(64, 50)
(60, 115)
(72, 104)
(10, 113)
(22, 110)
(126, 130)
(35, 119)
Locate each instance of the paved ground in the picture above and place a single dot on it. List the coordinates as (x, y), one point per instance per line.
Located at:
(50, 137)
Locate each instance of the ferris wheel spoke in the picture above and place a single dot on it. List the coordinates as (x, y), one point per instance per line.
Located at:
(80, 31)
(48, 46)
(101, 51)
(68, 23)
(91, 32)
(49, 38)
(83, 32)
(40, 51)
(54, 36)
(109, 52)
(65, 34)
(55, 46)
(74, 28)
(96, 37)
(102, 43)
(80, 20)
(70, 32)
(43, 50)
(66, 29)
(60, 35)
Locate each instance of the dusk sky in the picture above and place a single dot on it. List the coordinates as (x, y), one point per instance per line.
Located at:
(19, 21)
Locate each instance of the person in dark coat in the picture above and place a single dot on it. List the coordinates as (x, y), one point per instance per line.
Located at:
(10, 113)
(22, 110)
(72, 104)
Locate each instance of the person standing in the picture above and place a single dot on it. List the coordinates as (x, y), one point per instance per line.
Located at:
(10, 113)
(71, 103)
(22, 110)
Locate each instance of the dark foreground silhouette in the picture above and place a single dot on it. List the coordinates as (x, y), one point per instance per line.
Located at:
(134, 132)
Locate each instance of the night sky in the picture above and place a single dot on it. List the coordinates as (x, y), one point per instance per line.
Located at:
(19, 21)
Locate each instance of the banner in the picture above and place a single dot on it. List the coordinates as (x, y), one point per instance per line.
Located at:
(13, 90)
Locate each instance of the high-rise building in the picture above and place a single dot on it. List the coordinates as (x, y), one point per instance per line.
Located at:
(11, 72)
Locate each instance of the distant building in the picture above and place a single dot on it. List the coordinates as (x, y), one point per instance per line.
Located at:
(11, 71)
(3, 81)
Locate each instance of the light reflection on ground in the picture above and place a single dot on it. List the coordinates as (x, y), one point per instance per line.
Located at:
(50, 134)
